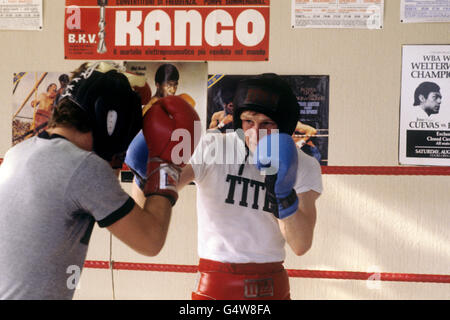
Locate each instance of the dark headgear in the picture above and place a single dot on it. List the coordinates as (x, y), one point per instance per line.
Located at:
(270, 95)
(64, 78)
(166, 72)
(113, 108)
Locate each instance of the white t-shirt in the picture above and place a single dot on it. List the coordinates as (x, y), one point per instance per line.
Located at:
(235, 224)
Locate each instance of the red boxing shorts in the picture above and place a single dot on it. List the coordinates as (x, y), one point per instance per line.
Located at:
(242, 281)
(42, 116)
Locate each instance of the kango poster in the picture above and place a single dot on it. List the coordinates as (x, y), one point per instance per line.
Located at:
(180, 30)
(312, 92)
(425, 105)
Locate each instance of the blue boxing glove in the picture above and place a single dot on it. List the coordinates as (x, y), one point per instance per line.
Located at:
(276, 156)
(136, 159)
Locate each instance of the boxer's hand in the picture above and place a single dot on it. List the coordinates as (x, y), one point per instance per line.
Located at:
(276, 155)
(162, 169)
(136, 159)
(144, 92)
(228, 118)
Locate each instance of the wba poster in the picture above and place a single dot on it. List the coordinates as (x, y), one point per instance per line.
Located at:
(199, 30)
(425, 105)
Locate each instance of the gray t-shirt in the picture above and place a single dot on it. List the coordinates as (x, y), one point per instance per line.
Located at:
(51, 194)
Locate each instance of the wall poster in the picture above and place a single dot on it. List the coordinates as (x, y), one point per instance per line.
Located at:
(21, 15)
(34, 96)
(415, 11)
(311, 134)
(185, 79)
(198, 30)
(357, 14)
(425, 105)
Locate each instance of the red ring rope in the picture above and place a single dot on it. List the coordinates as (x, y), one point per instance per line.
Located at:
(320, 274)
(387, 170)
(375, 170)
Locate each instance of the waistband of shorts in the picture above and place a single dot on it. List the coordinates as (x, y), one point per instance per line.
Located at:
(206, 265)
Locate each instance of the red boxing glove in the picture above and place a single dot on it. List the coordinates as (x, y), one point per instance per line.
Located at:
(144, 92)
(162, 119)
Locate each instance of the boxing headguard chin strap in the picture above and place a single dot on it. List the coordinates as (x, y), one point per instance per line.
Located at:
(113, 108)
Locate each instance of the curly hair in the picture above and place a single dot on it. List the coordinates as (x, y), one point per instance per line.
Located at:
(68, 114)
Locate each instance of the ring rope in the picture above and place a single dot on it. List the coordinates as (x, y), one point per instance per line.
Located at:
(379, 170)
(387, 170)
(374, 170)
(319, 274)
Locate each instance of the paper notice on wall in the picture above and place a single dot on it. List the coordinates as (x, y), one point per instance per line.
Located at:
(358, 14)
(425, 105)
(21, 15)
(424, 11)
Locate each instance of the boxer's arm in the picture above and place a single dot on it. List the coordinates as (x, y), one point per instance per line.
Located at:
(137, 194)
(298, 229)
(145, 229)
(214, 120)
(186, 177)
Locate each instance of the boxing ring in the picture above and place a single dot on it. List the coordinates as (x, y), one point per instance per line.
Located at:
(316, 274)
(313, 274)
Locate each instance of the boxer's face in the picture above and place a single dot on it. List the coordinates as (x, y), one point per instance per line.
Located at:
(168, 88)
(52, 91)
(229, 108)
(432, 103)
(255, 126)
